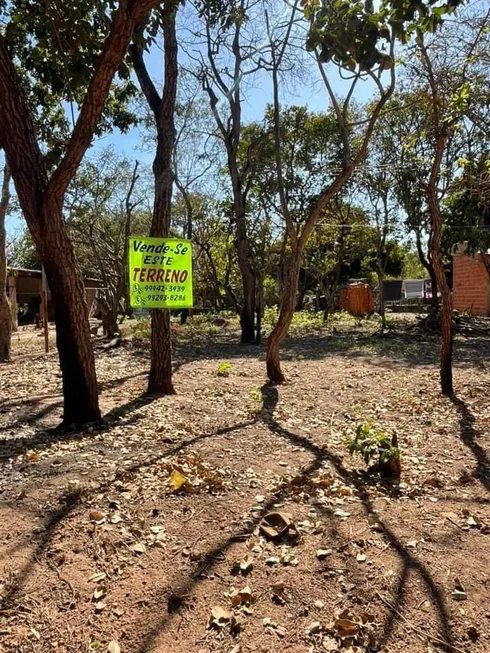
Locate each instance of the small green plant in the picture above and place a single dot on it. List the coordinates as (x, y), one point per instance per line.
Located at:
(300, 357)
(376, 447)
(255, 401)
(224, 368)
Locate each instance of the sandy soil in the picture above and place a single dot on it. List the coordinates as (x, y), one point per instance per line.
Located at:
(99, 552)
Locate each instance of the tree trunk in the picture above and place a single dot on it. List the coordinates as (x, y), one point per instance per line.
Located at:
(259, 308)
(273, 363)
(382, 310)
(300, 298)
(41, 200)
(72, 328)
(434, 287)
(428, 265)
(446, 365)
(160, 380)
(5, 310)
(247, 313)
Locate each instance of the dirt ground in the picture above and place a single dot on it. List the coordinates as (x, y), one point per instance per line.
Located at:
(99, 551)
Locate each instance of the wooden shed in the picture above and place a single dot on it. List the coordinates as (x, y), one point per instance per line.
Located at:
(357, 299)
(24, 288)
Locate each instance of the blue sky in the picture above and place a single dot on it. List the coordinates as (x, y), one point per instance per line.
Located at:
(313, 95)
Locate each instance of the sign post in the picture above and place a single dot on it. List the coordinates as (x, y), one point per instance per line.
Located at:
(160, 273)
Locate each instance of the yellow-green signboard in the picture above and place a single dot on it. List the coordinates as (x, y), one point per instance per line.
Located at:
(160, 273)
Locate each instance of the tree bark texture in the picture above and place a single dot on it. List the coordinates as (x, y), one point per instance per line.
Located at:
(279, 332)
(160, 380)
(231, 133)
(382, 307)
(427, 263)
(446, 361)
(5, 310)
(247, 312)
(41, 200)
(72, 327)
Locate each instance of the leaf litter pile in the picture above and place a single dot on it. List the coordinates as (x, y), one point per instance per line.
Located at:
(231, 517)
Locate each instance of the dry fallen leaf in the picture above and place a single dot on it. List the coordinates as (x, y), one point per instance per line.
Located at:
(113, 647)
(96, 578)
(271, 625)
(313, 628)
(246, 565)
(97, 516)
(276, 524)
(279, 593)
(139, 548)
(99, 592)
(220, 617)
(345, 626)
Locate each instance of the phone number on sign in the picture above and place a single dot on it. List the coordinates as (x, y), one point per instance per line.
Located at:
(166, 298)
(164, 288)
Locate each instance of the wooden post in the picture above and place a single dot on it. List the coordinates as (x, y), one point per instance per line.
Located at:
(44, 304)
(12, 284)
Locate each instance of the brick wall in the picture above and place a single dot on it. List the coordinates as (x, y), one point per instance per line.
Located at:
(471, 287)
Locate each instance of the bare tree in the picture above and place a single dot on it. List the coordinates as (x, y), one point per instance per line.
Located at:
(100, 205)
(446, 66)
(352, 156)
(229, 56)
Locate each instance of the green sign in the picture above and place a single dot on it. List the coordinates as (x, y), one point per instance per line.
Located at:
(160, 273)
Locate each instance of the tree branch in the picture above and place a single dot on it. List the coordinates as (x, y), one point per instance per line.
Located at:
(144, 79)
(127, 16)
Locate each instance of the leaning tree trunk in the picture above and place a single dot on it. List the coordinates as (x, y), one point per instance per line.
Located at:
(5, 310)
(446, 326)
(41, 200)
(279, 332)
(72, 328)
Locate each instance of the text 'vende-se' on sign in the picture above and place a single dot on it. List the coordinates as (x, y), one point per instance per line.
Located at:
(160, 273)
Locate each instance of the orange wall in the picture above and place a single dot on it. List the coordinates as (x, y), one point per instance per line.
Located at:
(471, 287)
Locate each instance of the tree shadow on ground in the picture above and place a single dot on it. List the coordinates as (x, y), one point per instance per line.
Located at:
(392, 350)
(46, 436)
(13, 590)
(409, 563)
(469, 436)
(176, 600)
